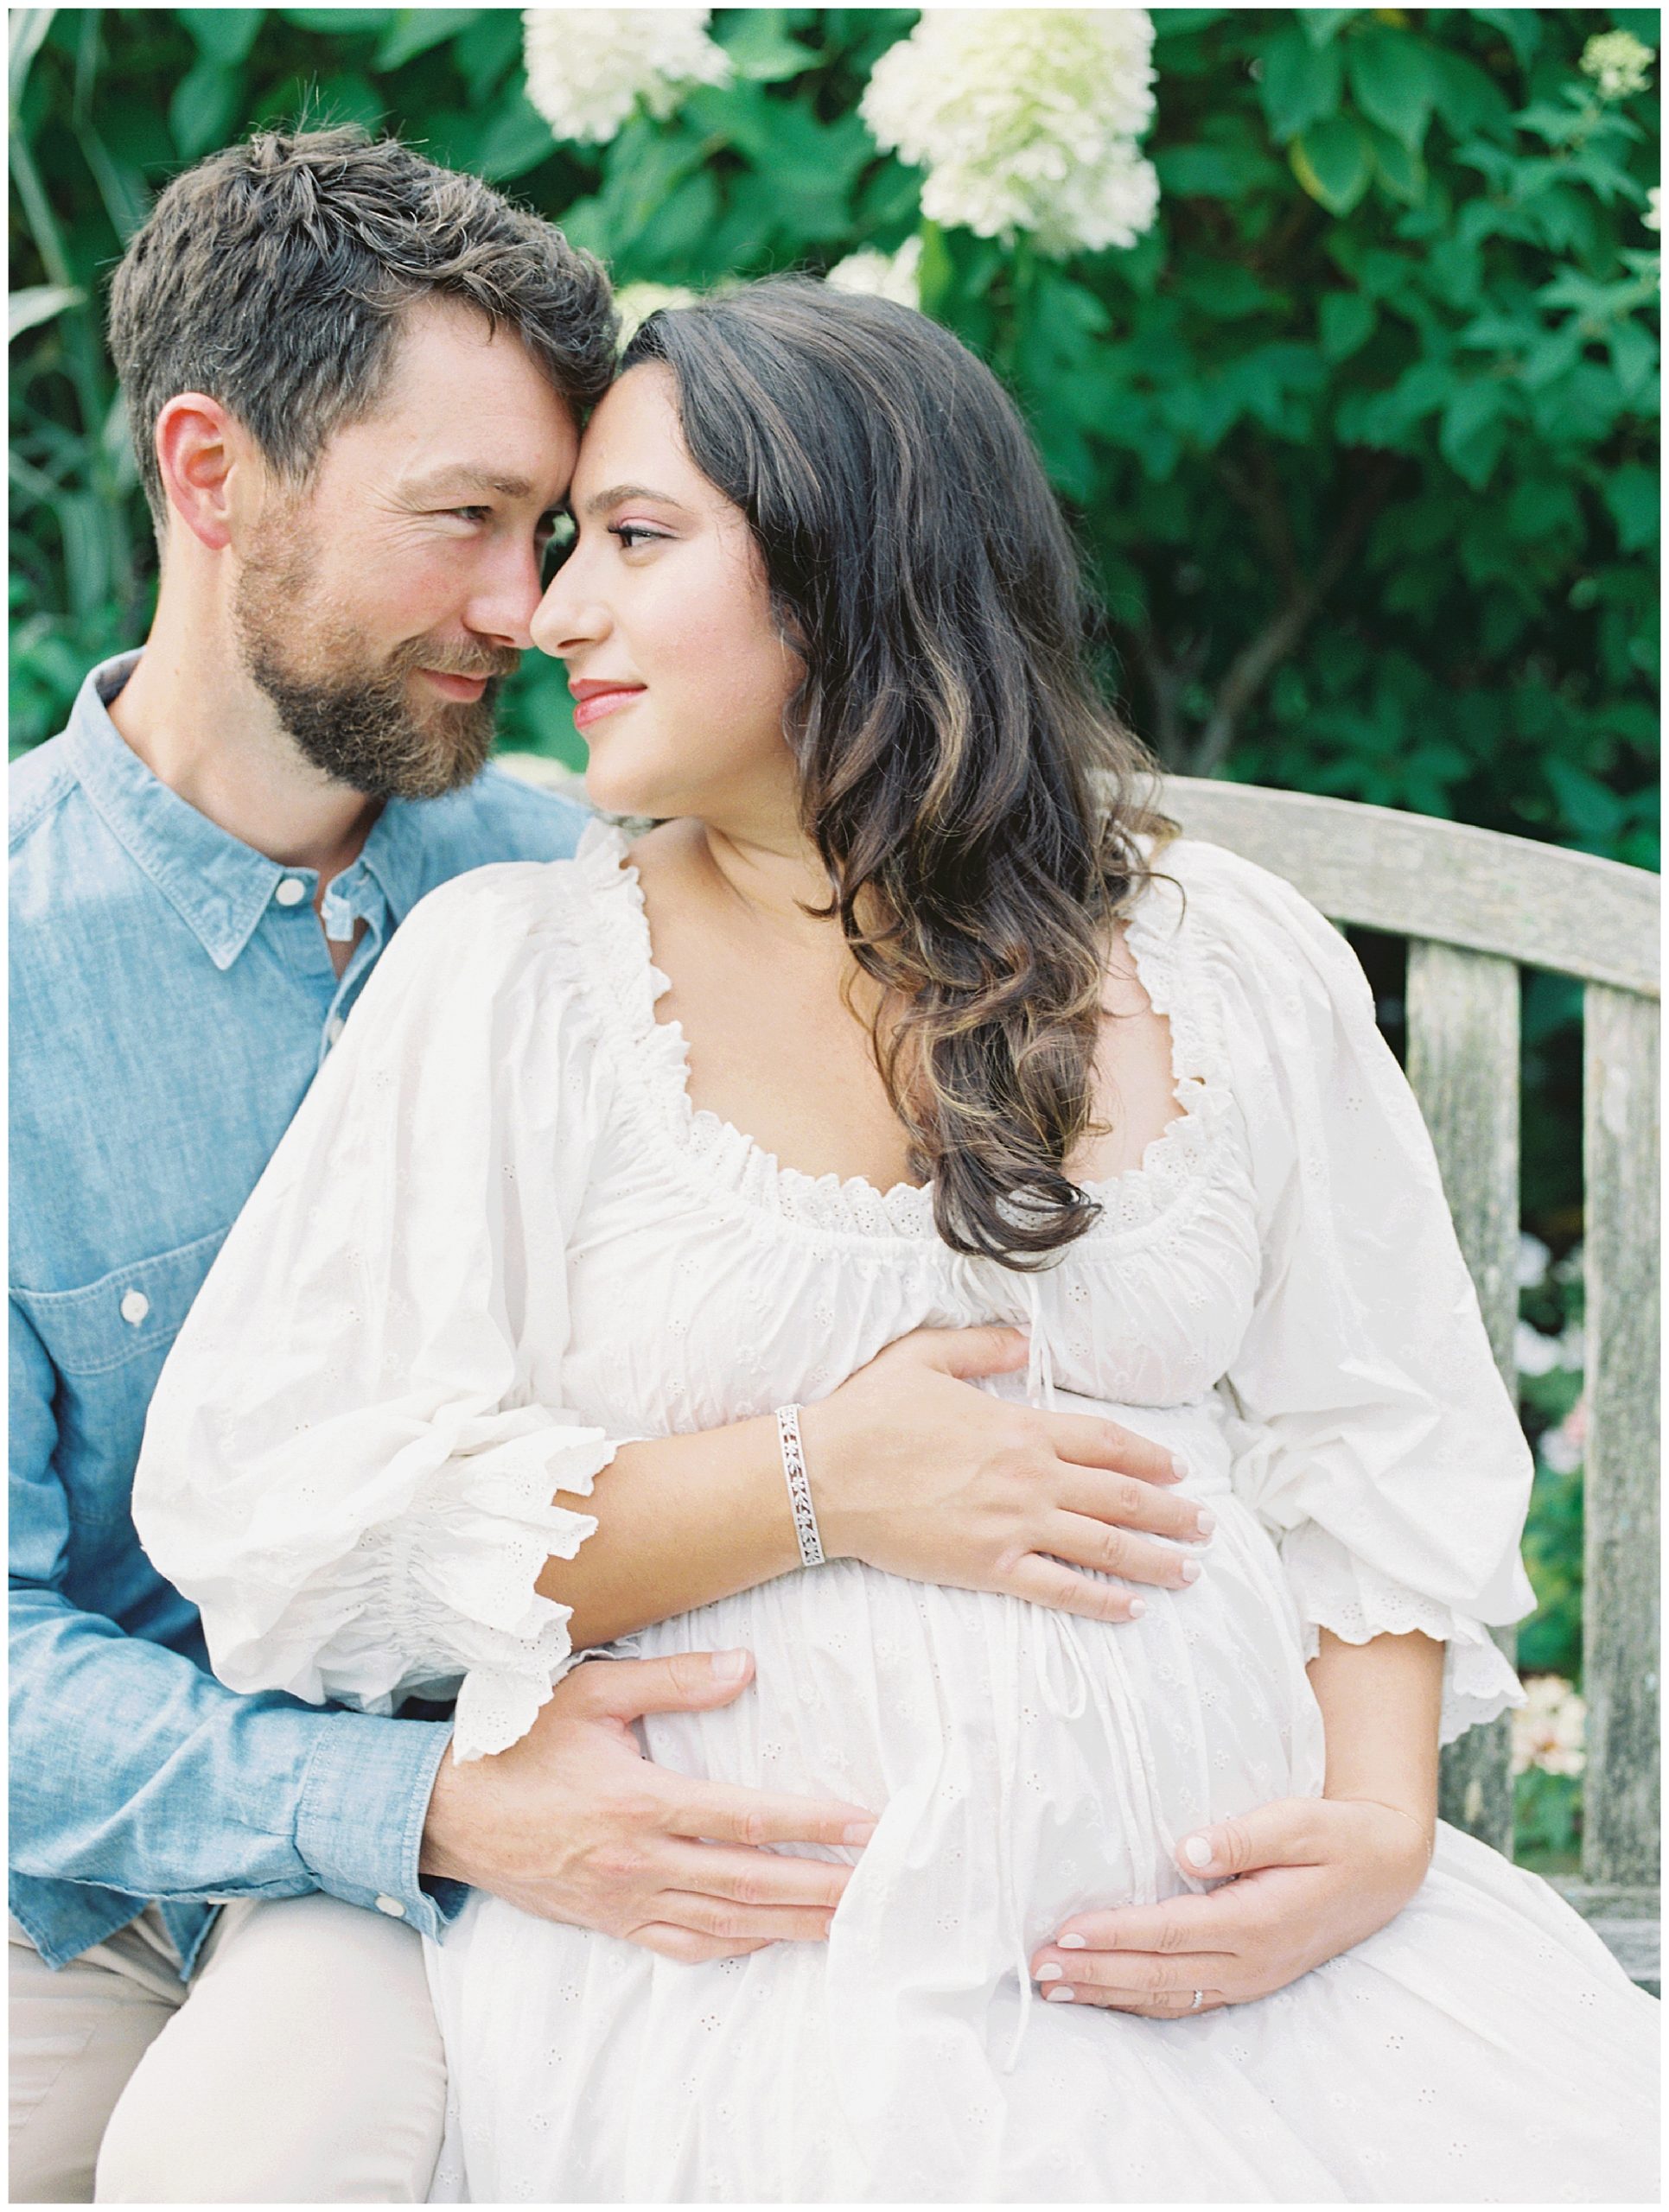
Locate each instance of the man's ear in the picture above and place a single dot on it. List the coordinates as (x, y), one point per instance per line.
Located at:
(200, 449)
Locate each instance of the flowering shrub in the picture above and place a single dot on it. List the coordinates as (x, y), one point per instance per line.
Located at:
(888, 276)
(1025, 121)
(588, 69)
(1548, 1727)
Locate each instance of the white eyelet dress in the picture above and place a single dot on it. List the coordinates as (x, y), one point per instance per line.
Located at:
(498, 1241)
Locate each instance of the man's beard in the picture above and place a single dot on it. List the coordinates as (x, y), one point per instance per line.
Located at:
(351, 717)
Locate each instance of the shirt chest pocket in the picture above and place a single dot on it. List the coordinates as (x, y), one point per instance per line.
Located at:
(133, 1313)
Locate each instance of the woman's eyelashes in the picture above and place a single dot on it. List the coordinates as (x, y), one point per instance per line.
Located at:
(633, 534)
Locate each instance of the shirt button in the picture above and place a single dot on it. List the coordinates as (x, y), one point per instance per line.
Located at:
(290, 891)
(334, 1028)
(392, 1907)
(135, 1306)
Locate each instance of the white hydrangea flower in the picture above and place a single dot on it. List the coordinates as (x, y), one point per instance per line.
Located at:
(1653, 219)
(1549, 1727)
(635, 304)
(1533, 1256)
(1025, 120)
(895, 277)
(587, 68)
(1618, 63)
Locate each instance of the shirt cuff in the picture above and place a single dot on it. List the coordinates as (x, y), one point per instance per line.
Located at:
(363, 1799)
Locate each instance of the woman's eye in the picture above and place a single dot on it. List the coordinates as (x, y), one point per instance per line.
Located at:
(633, 534)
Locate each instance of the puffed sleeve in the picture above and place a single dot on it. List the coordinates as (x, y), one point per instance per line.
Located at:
(352, 1459)
(1374, 1436)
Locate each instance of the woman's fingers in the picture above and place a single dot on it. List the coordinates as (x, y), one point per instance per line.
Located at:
(1044, 1581)
(1084, 1543)
(1179, 2006)
(1215, 1923)
(1136, 1977)
(1089, 1441)
(762, 1878)
(1125, 1501)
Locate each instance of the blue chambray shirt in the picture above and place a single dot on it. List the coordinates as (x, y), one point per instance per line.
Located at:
(172, 997)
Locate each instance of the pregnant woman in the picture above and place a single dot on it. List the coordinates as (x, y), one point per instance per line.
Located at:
(906, 1014)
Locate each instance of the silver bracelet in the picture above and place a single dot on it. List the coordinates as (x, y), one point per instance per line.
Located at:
(800, 1490)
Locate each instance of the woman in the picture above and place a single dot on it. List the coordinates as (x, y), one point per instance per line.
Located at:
(893, 1022)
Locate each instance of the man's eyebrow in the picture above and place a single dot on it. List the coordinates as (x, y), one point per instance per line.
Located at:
(601, 502)
(446, 483)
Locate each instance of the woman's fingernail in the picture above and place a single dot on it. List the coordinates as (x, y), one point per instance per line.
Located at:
(1138, 1607)
(730, 1666)
(1206, 1522)
(1190, 1570)
(1197, 1851)
(1057, 1997)
(1050, 1973)
(1179, 1467)
(859, 1831)
(1072, 1943)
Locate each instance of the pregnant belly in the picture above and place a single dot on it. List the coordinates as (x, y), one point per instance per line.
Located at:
(1024, 1764)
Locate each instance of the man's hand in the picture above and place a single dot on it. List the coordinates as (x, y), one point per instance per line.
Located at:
(1313, 1877)
(915, 1471)
(573, 1823)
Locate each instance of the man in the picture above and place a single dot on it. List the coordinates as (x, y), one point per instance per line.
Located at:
(354, 381)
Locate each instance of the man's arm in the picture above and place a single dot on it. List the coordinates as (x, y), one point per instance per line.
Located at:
(913, 1471)
(131, 1770)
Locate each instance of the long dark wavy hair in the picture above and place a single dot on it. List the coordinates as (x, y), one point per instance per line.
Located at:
(975, 802)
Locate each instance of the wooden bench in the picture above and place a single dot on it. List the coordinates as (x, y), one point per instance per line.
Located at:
(1475, 907)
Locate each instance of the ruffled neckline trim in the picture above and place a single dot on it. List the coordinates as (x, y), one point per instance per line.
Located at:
(1173, 1163)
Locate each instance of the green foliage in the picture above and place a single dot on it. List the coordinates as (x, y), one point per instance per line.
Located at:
(1361, 439)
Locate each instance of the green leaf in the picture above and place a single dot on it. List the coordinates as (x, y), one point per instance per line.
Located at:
(1399, 170)
(339, 22)
(1321, 25)
(1208, 172)
(1392, 83)
(1474, 430)
(1634, 356)
(1347, 320)
(38, 303)
(1331, 162)
(1466, 97)
(205, 101)
(414, 30)
(224, 34)
(1301, 83)
(1632, 495)
(517, 139)
(761, 50)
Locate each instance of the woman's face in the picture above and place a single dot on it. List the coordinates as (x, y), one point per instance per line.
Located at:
(661, 612)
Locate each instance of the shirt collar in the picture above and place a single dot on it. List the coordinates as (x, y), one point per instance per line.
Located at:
(219, 887)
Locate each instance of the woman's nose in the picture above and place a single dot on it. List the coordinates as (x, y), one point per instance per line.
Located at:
(567, 617)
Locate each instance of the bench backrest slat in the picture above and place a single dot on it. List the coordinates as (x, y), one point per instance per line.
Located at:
(1463, 1065)
(1621, 1486)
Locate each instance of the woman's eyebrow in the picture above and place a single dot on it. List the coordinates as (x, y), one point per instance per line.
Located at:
(601, 501)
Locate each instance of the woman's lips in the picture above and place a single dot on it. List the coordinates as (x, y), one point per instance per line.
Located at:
(594, 705)
(456, 687)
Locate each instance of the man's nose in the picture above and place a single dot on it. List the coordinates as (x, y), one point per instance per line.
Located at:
(501, 608)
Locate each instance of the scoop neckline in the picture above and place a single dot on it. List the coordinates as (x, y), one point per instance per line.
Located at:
(830, 1201)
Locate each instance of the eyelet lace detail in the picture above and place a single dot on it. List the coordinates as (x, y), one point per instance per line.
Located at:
(629, 986)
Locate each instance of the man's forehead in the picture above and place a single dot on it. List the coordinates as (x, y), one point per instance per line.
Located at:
(461, 479)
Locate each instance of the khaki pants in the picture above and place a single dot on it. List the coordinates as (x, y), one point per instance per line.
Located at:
(301, 2065)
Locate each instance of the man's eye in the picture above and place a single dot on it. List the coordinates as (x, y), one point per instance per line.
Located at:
(471, 514)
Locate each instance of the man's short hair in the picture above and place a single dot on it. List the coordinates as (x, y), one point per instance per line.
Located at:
(274, 275)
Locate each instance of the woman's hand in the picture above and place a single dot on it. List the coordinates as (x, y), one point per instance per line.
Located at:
(914, 1472)
(1310, 1876)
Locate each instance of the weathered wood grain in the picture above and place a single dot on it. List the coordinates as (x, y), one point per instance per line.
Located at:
(1624, 1919)
(1413, 876)
(1621, 1486)
(1463, 1065)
